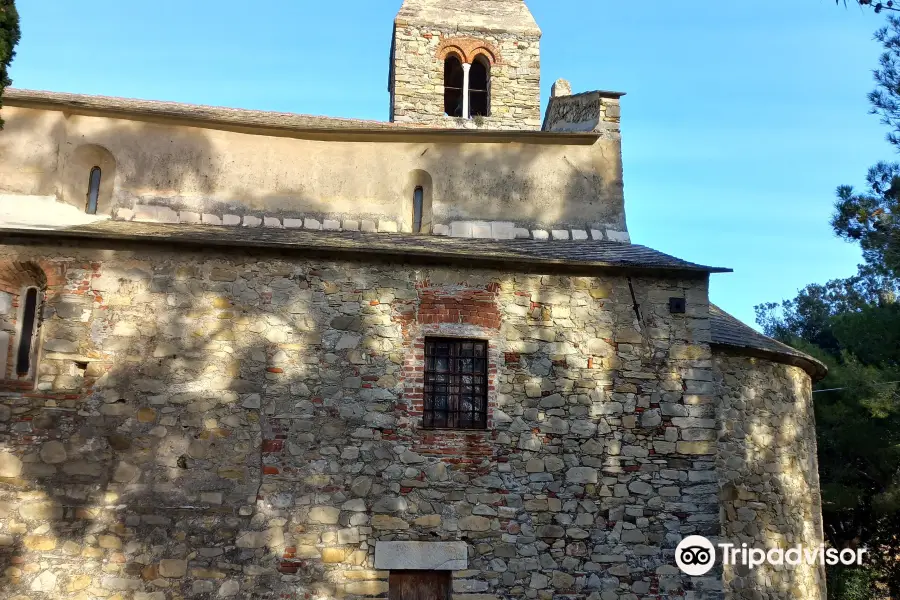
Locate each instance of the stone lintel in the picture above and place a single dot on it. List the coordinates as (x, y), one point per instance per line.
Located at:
(421, 556)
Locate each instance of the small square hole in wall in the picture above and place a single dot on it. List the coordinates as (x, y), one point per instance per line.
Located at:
(78, 368)
(677, 306)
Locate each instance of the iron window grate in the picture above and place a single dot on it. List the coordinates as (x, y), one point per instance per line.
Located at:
(456, 381)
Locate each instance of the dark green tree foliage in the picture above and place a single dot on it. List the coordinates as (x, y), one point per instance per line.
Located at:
(871, 218)
(857, 335)
(9, 37)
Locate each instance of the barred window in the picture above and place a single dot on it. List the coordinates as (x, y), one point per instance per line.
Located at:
(455, 394)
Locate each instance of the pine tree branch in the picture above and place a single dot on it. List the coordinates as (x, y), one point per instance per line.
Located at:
(877, 6)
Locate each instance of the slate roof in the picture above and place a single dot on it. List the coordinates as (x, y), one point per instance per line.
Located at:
(261, 120)
(480, 15)
(127, 106)
(726, 330)
(571, 253)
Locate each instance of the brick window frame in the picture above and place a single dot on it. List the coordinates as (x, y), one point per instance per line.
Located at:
(414, 371)
(16, 279)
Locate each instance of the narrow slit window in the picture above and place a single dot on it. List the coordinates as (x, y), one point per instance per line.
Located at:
(418, 204)
(26, 335)
(456, 381)
(93, 191)
(479, 88)
(453, 87)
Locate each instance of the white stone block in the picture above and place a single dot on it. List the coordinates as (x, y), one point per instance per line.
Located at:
(424, 556)
(351, 225)
(540, 234)
(596, 234)
(189, 217)
(503, 230)
(441, 230)
(251, 221)
(272, 222)
(124, 214)
(481, 231)
(387, 226)
(618, 236)
(145, 213)
(231, 220)
(579, 234)
(312, 224)
(461, 229)
(521, 233)
(331, 225)
(560, 234)
(293, 223)
(369, 226)
(405, 228)
(164, 214)
(210, 219)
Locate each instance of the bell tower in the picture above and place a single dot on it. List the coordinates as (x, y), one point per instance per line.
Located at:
(466, 63)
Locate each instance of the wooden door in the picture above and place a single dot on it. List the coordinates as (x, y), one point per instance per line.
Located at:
(419, 585)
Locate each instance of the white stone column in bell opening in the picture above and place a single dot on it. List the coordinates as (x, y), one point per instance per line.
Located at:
(466, 67)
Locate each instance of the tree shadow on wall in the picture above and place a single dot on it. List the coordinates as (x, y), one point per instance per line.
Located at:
(162, 460)
(146, 163)
(210, 427)
(767, 465)
(41, 179)
(508, 180)
(513, 187)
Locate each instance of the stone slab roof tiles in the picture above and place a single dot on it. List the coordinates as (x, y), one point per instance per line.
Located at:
(130, 107)
(482, 15)
(587, 253)
(268, 122)
(728, 331)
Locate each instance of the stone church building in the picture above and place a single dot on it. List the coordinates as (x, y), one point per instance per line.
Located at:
(263, 355)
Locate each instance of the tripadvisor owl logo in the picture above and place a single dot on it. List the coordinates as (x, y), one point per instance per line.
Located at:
(695, 555)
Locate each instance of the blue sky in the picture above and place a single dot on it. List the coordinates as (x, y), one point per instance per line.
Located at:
(741, 117)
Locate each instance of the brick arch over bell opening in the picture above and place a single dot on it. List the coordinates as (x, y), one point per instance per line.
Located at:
(467, 49)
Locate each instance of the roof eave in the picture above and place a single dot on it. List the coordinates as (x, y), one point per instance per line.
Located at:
(272, 123)
(186, 235)
(815, 369)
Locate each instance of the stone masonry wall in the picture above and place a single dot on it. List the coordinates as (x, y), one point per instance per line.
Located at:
(768, 474)
(213, 425)
(418, 78)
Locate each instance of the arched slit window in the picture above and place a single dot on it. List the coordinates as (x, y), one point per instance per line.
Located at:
(93, 191)
(418, 207)
(26, 332)
(453, 86)
(480, 88)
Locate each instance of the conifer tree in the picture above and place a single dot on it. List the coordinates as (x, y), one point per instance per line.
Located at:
(9, 37)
